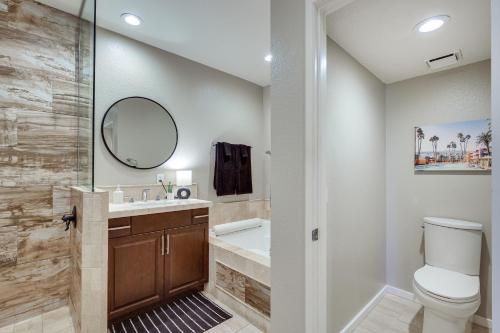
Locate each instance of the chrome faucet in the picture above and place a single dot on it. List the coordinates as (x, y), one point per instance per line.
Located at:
(145, 194)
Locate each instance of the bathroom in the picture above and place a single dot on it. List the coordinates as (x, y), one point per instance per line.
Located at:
(164, 223)
(377, 101)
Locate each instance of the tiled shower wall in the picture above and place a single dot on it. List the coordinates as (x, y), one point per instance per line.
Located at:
(38, 155)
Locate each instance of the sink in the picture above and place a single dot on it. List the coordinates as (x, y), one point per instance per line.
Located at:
(154, 206)
(153, 203)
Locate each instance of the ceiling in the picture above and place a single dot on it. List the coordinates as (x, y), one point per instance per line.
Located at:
(380, 34)
(232, 36)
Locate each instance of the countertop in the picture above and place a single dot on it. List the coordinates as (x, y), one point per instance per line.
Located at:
(155, 207)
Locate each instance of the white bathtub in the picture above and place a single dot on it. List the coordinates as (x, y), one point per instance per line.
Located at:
(256, 240)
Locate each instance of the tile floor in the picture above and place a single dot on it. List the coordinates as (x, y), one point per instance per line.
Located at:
(56, 321)
(397, 315)
(59, 321)
(234, 325)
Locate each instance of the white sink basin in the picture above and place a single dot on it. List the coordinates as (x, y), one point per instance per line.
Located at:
(155, 203)
(152, 206)
(151, 203)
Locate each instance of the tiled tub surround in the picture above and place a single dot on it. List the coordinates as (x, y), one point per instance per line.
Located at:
(89, 251)
(249, 291)
(38, 156)
(242, 280)
(226, 212)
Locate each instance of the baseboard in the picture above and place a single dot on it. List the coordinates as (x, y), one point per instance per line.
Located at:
(399, 292)
(481, 321)
(358, 318)
(478, 320)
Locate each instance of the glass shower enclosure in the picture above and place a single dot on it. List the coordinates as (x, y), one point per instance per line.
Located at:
(85, 72)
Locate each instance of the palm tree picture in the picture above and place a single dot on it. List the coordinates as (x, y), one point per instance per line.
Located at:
(473, 155)
(485, 139)
(434, 140)
(420, 138)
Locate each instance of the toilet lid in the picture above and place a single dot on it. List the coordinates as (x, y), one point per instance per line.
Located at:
(447, 285)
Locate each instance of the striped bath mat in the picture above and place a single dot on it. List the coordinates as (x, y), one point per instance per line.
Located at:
(190, 314)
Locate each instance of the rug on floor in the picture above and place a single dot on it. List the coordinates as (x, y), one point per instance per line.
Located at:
(190, 314)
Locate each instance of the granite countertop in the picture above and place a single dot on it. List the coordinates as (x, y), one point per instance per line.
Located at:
(155, 207)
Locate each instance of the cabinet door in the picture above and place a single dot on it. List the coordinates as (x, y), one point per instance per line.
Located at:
(136, 272)
(186, 259)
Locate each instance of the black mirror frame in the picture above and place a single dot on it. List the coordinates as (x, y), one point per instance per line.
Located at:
(116, 158)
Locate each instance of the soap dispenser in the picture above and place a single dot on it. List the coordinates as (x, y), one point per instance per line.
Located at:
(118, 195)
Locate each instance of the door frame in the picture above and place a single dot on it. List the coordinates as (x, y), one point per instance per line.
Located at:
(316, 192)
(495, 116)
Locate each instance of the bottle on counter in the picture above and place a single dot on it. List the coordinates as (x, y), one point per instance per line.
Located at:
(118, 195)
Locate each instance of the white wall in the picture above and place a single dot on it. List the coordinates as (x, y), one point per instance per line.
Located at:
(207, 106)
(454, 95)
(356, 186)
(495, 110)
(288, 166)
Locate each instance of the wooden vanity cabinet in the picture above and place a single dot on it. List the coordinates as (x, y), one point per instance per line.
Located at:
(186, 260)
(135, 274)
(153, 258)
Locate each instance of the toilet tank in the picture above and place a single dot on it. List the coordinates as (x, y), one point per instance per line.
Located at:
(453, 244)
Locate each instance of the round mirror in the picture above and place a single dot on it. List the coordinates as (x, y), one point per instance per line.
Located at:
(139, 132)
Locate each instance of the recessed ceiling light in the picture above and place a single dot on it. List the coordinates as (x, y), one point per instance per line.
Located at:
(432, 23)
(268, 57)
(131, 19)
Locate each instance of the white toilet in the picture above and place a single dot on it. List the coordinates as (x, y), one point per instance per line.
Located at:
(448, 284)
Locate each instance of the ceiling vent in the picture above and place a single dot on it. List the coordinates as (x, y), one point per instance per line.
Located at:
(446, 60)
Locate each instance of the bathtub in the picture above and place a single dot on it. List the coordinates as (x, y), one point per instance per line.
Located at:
(240, 271)
(256, 240)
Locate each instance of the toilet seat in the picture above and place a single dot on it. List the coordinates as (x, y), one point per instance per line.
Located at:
(446, 285)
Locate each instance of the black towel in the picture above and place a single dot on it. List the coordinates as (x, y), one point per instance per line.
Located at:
(233, 169)
(244, 170)
(225, 168)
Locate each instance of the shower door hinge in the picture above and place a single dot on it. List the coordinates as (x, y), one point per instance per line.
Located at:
(315, 235)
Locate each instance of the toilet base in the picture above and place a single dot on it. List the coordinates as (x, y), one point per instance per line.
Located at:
(439, 322)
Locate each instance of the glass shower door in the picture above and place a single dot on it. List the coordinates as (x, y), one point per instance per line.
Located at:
(85, 64)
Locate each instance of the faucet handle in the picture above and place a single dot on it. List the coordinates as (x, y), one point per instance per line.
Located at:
(145, 194)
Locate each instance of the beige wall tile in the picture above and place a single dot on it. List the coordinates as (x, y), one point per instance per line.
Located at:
(8, 245)
(32, 325)
(258, 296)
(88, 292)
(38, 155)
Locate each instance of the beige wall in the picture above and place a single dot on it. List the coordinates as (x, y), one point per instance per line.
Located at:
(356, 187)
(207, 106)
(454, 95)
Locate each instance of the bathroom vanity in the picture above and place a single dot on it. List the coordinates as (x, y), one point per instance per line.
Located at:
(156, 251)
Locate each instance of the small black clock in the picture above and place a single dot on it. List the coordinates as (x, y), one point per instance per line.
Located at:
(183, 193)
